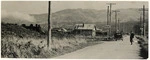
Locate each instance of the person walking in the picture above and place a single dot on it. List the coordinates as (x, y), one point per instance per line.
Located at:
(131, 37)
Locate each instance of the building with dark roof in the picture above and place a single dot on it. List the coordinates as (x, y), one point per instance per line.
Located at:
(85, 29)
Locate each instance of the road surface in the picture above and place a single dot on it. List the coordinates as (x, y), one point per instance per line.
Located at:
(107, 50)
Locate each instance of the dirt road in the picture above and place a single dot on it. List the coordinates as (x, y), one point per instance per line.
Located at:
(107, 50)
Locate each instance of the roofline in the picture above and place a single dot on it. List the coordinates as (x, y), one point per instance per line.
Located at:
(83, 29)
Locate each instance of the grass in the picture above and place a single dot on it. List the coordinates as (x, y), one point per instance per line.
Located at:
(18, 42)
(14, 47)
(144, 46)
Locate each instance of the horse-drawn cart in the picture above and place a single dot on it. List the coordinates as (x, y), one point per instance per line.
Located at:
(118, 36)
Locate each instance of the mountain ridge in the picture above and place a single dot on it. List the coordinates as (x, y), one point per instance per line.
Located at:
(85, 16)
(91, 15)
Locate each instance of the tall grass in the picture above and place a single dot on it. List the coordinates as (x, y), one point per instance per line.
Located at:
(143, 41)
(18, 42)
(14, 47)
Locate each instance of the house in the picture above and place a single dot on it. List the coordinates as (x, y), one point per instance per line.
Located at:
(85, 29)
(59, 30)
(99, 32)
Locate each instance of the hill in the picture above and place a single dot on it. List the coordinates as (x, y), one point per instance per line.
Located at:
(79, 16)
(88, 15)
(68, 17)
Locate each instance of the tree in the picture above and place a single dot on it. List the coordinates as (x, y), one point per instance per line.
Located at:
(137, 29)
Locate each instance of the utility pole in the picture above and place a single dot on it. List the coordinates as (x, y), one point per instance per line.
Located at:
(49, 28)
(140, 20)
(143, 10)
(116, 11)
(140, 24)
(118, 24)
(107, 15)
(110, 4)
(143, 20)
(122, 27)
(107, 21)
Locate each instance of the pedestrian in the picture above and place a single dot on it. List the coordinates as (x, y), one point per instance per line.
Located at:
(131, 37)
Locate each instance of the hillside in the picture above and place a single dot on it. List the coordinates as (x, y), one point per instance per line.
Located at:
(79, 16)
(76, 16)
(68, 17)
(40, 18)
(73, 16)
(88, 15)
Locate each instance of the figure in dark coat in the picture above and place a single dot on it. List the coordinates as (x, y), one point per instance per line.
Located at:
(131, 37)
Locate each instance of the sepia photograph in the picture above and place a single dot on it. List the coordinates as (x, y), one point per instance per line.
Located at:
(75, 29)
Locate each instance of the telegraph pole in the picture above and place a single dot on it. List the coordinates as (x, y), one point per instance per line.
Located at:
(49, 28)
(140, 20)
(107, 20)
(118, 24)
(122, 27)
(143, 20)
(116, 11)
(140, 24)
(143, 9)
(107, 15)
(110, 4)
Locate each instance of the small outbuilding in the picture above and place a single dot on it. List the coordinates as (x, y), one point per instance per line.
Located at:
(85, 29)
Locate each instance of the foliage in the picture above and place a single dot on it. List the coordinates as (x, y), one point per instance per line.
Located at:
(19, 42)
(14, 47)
(137, 29)
(8, 29)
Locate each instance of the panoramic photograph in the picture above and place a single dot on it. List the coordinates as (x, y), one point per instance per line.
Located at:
(74, 29)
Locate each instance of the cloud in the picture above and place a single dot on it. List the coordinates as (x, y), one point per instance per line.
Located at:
(17, 15)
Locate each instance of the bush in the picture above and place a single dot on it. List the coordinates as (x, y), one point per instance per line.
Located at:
(19, 42)
(9, 29)
(14, 47)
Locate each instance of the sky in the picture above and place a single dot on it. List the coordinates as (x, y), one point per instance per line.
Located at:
(39, 7)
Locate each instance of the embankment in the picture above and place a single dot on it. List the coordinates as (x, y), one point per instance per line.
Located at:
(144, 46)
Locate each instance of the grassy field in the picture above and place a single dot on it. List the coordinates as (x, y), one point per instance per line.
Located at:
(18, 42)
(13, 47)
